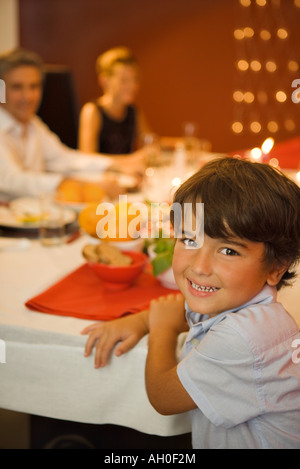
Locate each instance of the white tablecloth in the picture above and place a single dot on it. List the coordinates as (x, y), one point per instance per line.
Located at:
(45, 371)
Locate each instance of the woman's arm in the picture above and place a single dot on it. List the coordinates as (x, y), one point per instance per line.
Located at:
(165, 391)
(90, 124)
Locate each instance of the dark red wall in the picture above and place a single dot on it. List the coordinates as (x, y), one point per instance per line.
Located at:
(186, 50)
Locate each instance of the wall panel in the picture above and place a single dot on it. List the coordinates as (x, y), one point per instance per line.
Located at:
(186, 50)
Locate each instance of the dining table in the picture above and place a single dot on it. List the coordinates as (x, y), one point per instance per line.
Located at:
(45, 371)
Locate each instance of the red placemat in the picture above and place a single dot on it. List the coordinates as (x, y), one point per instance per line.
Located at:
(81, 294)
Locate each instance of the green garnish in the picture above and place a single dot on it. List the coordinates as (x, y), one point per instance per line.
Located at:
(164, 249)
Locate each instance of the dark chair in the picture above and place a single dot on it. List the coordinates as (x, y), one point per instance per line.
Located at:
(59, 107)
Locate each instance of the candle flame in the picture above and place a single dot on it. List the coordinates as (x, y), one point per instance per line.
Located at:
(267, 145)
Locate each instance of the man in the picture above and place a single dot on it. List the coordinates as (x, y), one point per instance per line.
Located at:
(32, 158)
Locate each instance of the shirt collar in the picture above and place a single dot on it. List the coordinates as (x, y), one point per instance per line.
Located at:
(8, 123)
(266, 296)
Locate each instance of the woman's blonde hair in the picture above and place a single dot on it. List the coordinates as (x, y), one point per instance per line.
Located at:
(105, 62)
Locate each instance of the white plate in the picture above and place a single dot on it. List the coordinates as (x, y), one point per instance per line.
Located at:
(13, 216)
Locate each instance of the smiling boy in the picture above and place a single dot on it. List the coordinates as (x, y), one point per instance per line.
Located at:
(236, 373)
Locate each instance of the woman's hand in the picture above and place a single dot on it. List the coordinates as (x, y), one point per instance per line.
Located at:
(127, 331)
(132, 164)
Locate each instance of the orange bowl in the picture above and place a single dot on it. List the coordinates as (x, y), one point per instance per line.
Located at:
(117, 277)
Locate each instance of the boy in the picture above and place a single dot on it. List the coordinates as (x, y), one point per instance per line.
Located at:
(237, 375)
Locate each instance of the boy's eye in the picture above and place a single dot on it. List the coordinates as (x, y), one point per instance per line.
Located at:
(189, 243)
(229, 252)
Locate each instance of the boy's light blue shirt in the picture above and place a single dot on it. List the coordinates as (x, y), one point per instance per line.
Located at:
(238, 369)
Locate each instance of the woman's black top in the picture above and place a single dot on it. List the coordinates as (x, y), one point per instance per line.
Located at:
(118, 137)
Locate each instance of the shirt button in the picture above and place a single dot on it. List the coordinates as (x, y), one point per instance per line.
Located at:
(195, 342)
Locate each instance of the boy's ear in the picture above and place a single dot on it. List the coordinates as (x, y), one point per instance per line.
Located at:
(275, 273)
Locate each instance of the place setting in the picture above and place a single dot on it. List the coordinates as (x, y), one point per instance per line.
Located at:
(120, 273)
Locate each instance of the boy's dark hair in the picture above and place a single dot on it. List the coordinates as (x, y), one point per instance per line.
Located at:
(253, 201)
(17, 58)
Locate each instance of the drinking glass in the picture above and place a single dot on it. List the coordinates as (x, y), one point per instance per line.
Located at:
(52, 226)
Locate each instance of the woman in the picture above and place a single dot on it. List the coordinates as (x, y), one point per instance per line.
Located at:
(112, 123)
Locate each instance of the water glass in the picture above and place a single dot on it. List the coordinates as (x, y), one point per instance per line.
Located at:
(52, 226)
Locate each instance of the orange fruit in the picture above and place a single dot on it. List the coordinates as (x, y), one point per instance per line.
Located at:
(118, 229)
(70, 191)
(88, 219)
(80, 192)
(92, 192)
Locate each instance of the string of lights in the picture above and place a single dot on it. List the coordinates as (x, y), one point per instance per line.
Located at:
(266, 65)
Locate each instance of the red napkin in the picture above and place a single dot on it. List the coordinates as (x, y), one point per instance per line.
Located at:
(81, 294)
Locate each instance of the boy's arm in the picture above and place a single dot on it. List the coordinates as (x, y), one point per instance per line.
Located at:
(165, 391)
(127, 331)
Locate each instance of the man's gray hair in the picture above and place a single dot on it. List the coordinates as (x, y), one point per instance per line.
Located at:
(19, 57)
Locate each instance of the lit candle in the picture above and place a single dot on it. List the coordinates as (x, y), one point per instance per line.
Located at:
(267, 147)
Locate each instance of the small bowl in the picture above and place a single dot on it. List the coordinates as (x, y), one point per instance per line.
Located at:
(117, 277)
(133, 245)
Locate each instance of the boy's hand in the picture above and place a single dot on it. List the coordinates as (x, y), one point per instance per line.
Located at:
(168, 312)
(165, 391)
(128, 331)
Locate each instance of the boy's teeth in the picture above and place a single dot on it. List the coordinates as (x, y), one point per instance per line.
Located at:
(202, 288)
